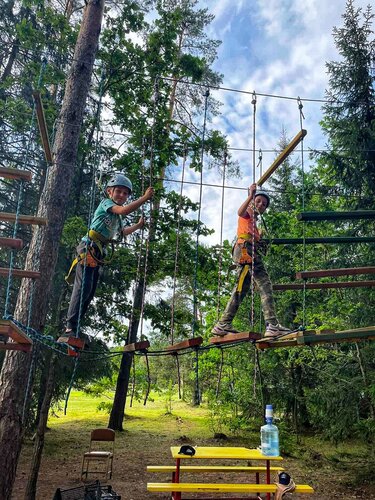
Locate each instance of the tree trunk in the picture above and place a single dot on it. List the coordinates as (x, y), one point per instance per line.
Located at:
(44, 246)
(30, 493)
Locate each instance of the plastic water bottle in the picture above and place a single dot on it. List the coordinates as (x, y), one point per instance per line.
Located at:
(269, 435)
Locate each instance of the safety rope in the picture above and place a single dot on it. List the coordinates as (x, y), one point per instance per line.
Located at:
(177, 245)
(133, 382)
(220, 372)
(148, 379)
(220, 263)
(302, 117)
(252, 283)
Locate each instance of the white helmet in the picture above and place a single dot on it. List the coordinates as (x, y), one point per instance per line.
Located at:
(120, 180)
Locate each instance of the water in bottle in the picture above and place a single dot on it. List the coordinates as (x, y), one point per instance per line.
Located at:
(269, 435)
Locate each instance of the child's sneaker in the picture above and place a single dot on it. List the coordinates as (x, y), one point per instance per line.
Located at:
(222, 329)
(64, 337)
(276, 330)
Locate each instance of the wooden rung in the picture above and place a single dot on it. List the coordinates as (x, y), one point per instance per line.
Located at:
(330, 215)
(229, 338)
(15, 243)
(23, 219)
(14, 173)
(20, 341)
(321, 286)
(19, 273)
(185, 344)
(137, 346)
(42, 126)
(315, 241)
(282, 156)
(323, 273)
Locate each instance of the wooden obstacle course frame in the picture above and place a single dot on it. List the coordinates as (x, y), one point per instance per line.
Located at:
(20, 341)
(231, 338)
(15, 173)
(42, 126)
(19, 273)
(14, 243)
(23, 219)
(185, 344)
(279, 287)
(344, 271)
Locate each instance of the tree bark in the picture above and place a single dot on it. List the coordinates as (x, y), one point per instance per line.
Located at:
(30, 493)
(44, 246)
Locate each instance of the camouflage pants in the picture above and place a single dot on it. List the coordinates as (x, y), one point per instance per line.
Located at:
(242, 288)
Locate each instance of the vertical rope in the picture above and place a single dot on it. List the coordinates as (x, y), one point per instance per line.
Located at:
(148, 380)
(221, 236)
(252, 284)
(133, 388)
(177, 246)
(301, 117)
(220, 372)
(254, 103)
(71, 384)
(195, 305)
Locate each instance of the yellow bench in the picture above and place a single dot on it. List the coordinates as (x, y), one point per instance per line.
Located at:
(210, 468)
(222, 488)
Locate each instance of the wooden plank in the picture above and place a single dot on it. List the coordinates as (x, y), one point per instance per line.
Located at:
(19, 273)
(10, 329)
(185, 344)
(320, 286)
(12, 346)
(339, 337)
(14, 173)
(330, 215)
(344, 271)
(14, 243)
(314, 241)
(223, 488)
(42, 126)
(230, 338)
(137, 346)
(282, 156)
(362, 329)
(23, 219)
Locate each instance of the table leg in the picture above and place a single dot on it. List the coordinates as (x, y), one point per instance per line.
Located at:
(268, 478)
(176, 495)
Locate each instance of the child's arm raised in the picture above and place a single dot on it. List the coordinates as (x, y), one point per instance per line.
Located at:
(243, 208)
(134, 205)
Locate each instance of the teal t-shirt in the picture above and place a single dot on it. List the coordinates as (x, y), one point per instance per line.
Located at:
(105, 222)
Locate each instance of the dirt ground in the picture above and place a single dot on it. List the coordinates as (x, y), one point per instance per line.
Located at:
(147, 439)
(135, 450)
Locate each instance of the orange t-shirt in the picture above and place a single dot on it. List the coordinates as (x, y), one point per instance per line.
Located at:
(247, 225)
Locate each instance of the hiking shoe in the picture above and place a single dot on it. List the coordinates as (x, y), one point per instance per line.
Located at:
(64, 337)
(222, 329)
(276, 330)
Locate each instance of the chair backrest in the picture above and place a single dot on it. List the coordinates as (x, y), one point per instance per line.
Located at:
(103, 435)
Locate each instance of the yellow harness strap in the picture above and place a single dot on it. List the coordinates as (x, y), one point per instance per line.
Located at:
(243, 274)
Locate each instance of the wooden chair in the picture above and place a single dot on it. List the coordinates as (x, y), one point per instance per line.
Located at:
(95, 456)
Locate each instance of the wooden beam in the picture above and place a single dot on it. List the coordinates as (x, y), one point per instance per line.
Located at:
(231, 338)
(15, 243)
(282, 156)
(185, 344)
(23, 219)
(19, 273)
(10, 329)
(137, 346)
(42, 126)
(14, 173)
(314, 241)
(321, 286)
(348, 271)
(350, 215)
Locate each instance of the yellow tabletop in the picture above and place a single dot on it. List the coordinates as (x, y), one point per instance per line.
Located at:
(224, 452)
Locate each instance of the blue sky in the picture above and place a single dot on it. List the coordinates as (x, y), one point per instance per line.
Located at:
(277, 47)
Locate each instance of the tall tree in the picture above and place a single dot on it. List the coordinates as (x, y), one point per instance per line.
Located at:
(45, 243)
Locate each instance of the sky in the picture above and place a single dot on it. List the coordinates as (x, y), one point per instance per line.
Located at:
(277, 47)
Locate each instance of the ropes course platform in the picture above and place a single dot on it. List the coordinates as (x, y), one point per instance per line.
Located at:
(14, 243)
(315, 337)
(232, 338)
(19, 273)
(19, 341)
(14, 173)
(137, 346)
(314, 241)
(348, 271)
(185, 344)
(23, 219)
(320, 286)
(330, 215)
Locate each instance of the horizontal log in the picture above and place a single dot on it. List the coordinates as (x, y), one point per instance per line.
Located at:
(23, 219)
(19, 273)
(185, 344)
(350, 215)
(14, 173)
(324, 273)
(282, 156)
(314, 241)
(15, 243)
(321, 286)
